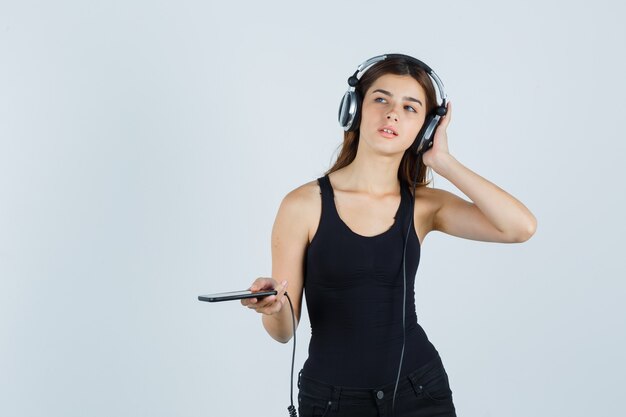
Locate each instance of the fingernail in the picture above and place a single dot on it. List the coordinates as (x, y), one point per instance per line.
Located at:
(284, 283)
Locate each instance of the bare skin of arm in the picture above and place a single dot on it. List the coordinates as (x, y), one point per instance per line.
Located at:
(290, 238)
(493, 215)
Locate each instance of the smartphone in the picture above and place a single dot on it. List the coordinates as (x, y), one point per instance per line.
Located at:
(235, 295)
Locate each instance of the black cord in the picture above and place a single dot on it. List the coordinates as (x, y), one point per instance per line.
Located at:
(393, 404)
(291, 408)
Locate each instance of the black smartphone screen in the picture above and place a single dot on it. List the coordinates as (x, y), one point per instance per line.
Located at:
(235, 295)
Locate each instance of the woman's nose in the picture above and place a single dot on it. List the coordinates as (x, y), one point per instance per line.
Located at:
(392, 116)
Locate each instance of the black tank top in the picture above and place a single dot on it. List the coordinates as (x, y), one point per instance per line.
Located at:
(353, 287)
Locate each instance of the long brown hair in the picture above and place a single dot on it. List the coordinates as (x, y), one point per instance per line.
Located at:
(409, 162)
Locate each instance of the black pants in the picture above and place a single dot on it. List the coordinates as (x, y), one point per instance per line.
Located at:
(425, 392)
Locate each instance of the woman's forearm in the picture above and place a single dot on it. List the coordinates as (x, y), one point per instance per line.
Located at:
(503, 210)
(280, 325)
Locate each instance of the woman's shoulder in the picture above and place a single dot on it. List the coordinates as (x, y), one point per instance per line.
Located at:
(427, 194)
(428, 200)
(301, 208)
(432, 196)
(304, 194)
(303, 200)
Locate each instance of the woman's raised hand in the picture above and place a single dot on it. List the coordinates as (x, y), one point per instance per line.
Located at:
(271, 304)
(439, 150)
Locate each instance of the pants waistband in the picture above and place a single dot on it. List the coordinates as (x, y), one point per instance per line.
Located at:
(334, 392)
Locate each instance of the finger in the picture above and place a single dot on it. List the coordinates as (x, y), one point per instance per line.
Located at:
(256, 306)
(276, 299)
(448, 116)
(259, 284)
(265, 301)
(273, 304)
(269, 300)
(279, 306)
(275, 308)
(282, 289)
(281, 298)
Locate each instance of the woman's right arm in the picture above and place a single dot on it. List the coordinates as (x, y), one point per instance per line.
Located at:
(290, 237)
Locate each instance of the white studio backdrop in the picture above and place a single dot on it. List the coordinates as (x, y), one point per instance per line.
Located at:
(145, 148)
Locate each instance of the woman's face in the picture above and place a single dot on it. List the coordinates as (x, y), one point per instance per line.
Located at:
(395, 102)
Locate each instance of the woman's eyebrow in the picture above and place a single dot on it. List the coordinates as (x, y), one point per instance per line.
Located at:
(380, 90)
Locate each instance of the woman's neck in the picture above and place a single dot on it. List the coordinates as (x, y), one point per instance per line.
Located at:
(373, 174)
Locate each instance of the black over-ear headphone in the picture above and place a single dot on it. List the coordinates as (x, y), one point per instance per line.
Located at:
(350, 107)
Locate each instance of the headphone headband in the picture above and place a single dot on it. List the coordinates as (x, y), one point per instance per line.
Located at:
(361, 69)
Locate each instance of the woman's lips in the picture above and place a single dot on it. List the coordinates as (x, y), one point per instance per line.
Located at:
(387, 135)
(388, 131)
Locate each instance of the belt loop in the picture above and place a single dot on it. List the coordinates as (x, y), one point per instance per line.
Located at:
(335, 398)
(413, 380)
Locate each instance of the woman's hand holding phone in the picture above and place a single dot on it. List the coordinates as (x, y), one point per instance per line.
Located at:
(271, 304)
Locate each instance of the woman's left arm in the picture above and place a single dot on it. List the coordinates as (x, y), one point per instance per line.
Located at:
(493, 215)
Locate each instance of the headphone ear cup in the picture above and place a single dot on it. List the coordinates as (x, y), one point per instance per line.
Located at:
(348, 110)
(343, 116)
(424, 140)
(357, 112)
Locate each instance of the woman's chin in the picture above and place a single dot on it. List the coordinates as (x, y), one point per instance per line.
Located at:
(387, 148)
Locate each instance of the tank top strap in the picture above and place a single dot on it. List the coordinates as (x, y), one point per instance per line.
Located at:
(405, 210)
(330, 217)
(328, 197)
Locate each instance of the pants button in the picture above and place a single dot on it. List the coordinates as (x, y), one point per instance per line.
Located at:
(380, 395)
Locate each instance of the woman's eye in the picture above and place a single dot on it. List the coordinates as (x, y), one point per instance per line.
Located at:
(383, 100)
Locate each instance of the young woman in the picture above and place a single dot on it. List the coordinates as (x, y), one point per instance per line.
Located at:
(344, 238)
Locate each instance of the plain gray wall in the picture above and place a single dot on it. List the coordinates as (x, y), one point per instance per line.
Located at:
(145, 148)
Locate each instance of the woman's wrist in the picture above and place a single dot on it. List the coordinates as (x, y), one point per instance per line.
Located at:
(442, 164)
(278, 325)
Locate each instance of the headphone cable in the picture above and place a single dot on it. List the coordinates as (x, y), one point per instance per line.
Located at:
(291, 408)
(393, 404)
